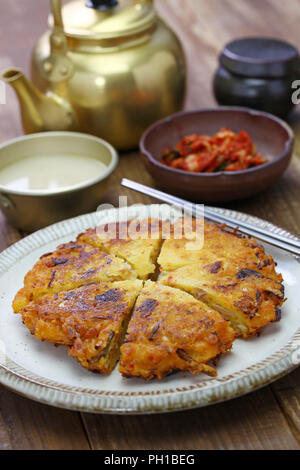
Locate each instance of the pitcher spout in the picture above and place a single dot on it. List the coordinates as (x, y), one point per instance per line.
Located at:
(39, 112)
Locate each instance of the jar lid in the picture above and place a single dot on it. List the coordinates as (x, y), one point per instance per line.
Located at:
(260, 57)
(106, 19)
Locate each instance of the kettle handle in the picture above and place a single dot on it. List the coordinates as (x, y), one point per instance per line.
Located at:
(144, 1)
(57, 16)
(57, 67)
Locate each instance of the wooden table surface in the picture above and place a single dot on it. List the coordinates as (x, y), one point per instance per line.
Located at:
(266, 419)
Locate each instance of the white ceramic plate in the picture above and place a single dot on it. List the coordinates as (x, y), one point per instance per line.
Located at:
(44, 373)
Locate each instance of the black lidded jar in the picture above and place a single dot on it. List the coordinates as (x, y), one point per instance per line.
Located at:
(258, 73)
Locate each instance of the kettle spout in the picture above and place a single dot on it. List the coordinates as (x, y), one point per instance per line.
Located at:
(40, 112)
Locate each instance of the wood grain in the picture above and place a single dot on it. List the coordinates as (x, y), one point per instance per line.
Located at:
(252, 422)
(287, 392)
(267, 419)
(25, 424)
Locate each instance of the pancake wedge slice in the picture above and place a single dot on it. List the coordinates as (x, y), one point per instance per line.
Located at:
(172, 331)
(71, 265)
(90, 320)
(137, 242)
(222, 250)
(246, 298)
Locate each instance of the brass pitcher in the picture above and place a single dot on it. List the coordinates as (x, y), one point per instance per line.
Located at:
(106, 67)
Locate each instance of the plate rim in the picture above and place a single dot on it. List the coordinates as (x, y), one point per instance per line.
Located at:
(208, 392)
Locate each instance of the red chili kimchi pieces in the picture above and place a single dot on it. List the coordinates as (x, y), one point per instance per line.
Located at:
(225, 151)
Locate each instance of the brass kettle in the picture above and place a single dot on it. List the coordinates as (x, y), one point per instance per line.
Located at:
(106, 67)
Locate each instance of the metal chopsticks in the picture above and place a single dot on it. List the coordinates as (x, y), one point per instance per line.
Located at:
(276, 239)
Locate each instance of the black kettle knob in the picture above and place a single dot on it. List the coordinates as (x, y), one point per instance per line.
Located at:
(101, 4)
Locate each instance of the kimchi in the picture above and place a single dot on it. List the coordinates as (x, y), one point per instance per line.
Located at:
(225, 151)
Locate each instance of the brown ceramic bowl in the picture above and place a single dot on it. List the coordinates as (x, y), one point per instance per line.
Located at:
(273, 138)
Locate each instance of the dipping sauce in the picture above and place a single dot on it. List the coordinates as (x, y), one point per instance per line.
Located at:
(225, 151)
(52, 172)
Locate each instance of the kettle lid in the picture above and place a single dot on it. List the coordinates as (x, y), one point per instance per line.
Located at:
(106, 19)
